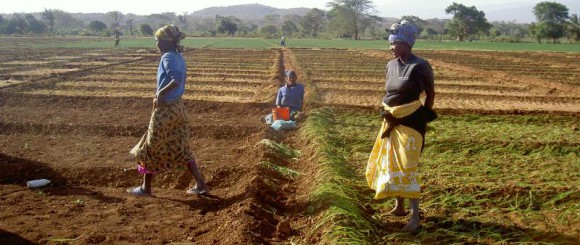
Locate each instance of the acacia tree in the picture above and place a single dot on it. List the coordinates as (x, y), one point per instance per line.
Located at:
(49, 18)
(353, 15)
(226, 25)
(551, 18)
(466, 21)
(313, 22)
(289, 27)
(97, 26)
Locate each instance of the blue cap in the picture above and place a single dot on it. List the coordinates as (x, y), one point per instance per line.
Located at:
(290, 73)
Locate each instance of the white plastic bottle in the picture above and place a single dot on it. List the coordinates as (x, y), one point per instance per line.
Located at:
(37, 183)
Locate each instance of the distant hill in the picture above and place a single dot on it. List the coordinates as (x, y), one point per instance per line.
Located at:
(248, 11)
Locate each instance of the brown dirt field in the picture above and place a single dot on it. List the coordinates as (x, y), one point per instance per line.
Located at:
(76, 128)
(81, 144)
(80, 141)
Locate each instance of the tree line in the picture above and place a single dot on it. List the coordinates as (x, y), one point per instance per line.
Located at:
(355, 19)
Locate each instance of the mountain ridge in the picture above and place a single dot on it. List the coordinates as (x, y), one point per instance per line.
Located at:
(248, 11)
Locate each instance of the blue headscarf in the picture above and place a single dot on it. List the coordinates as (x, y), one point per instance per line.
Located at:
(290, 73)
(403, 31)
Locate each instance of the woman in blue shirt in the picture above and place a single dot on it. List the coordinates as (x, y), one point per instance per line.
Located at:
(165, 145)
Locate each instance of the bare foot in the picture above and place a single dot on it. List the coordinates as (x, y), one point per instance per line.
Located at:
(398, 212)
(413, 225)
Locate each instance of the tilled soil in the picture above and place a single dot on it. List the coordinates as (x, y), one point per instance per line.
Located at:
(81, 145)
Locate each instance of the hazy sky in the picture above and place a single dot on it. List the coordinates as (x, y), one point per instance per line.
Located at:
(179, 6)
(387, 8)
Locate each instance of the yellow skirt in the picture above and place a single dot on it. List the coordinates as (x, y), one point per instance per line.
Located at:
(165, 144)
(392, 169)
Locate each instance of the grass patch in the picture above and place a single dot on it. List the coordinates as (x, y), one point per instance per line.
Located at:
(258, 43)
(334, 199)
(486, 180)
(284, 171)
(280, 149)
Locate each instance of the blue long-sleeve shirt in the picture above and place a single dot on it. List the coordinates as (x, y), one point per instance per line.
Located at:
(292, 97)
(171, 67)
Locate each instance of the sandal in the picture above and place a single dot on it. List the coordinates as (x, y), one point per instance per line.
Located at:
(138, 191)
(195, 191)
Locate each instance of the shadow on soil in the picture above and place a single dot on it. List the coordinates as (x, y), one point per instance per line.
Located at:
(11, 238)
(444, 230)
(17, 170)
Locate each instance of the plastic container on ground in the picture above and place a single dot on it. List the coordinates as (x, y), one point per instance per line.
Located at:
(37, 183)
(282, 113)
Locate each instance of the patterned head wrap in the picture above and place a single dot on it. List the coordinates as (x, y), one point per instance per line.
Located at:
(403, 32)
(170, 33)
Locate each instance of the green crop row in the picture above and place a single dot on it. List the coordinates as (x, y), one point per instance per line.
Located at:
(486, 179)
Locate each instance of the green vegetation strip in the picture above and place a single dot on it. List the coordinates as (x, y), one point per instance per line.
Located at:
(257, 43)
(276, 152)
(334, 196)
(486, 180)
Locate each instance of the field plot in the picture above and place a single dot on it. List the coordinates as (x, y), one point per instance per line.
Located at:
(76, 129)
(487, 179)
(464, 80)
(18, 65)
(496, 170)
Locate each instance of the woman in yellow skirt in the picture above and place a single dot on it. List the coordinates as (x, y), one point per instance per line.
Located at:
(392, 169)
(164, 146)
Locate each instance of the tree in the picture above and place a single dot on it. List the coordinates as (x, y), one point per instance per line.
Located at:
(129, 24)
(549, 29)
(49, 18)
(16, 25)
(289, 27)
(2, 24)
(466, 21)
(272, 19)
(269, 31)
(64, 20)
(431, 32)
(97, 26)
(183, 25)
(34, 26)
(420, 23)
(313, 21)
(145, 30)
(161, 19)
(226, 25)
(116, 18)
(246, 28)
(551, 18)
(353, 15)
(573, 28)
(551, 11)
